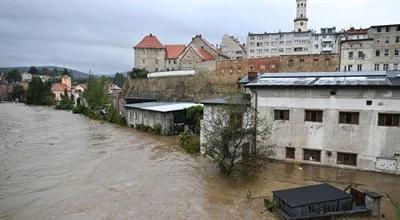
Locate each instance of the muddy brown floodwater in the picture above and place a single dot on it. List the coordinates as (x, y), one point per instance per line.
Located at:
(57, 165)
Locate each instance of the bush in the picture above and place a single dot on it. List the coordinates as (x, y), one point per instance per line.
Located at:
(80, 109)
(189, 142)
(113, 116)
(157, 129)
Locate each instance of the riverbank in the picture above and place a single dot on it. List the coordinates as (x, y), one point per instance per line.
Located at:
(59, 165)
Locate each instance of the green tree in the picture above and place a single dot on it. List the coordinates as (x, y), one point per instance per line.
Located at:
(119, 79)
(45, 71)
(18, 92)
(139, 73)
(33, 70)
(96, 95)
(39, 93)
(14, 76)
(193, 117)
(231, 136)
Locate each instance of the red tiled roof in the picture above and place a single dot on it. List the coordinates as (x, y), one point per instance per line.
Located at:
(205, 56)
(353, 31)
(149, 41)
(173, 51)
(59, 87)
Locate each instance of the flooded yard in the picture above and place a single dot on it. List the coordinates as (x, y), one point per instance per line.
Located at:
(57, 165)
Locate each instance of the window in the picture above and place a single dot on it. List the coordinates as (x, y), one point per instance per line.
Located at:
(398, 28)
(348, 118)
(377, 53)
(316, 46)
(280, 49)
(395, 66)
(349, 67)
(351, 55)
(376, 67)
(259, 44)
(360, 54)
(397, 39)
(174, 61)
(396, 51)
(386, 52)
(312, 155)
(385, 66)
(387, 119)
(387, 40)
(379, 29)
(359, 67)
(281, 115)
(313, 115)
(387, 29)
(259, 51)
(347, 159)
(252, 44)
(290, 62)
(290, 152)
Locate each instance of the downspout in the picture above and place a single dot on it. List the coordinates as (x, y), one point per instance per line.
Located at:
(255, 119)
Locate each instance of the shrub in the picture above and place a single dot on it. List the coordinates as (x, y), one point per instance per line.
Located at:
(157, 129)
(189, 142)
(80, 109)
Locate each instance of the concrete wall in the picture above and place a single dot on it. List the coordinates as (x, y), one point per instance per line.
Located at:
(137, 117)
(373, 144)
(309, 63)
(240, 67)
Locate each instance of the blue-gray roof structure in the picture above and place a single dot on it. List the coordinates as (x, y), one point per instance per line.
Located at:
(322, 79)
(309, 195)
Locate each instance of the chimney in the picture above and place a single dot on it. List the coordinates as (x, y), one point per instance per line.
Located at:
(251, 74)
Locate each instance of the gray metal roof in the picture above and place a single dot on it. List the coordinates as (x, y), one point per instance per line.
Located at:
(361, 78)
(163, 106)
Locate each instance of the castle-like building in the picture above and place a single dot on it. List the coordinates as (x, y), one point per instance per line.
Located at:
(153, 56)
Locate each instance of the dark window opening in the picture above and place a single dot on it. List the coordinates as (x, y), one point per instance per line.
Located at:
(290, 152)
(281, 115)
(348, 118)
(347, 159)
(312, 155)
(386, 119)
(313, 115)
(369, 102)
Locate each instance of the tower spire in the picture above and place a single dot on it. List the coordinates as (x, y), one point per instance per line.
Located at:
(300, 22)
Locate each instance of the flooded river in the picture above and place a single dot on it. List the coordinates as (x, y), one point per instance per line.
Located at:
(57, 165)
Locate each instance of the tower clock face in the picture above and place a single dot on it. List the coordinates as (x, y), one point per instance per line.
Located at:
(301, 23)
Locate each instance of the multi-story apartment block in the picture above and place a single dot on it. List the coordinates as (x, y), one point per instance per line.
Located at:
(386, 46)
(300, 41)
(231, 47)
(376, 48)
(356, 50)
(327, 41)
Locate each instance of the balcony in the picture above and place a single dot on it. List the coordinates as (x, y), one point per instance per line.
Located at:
(327, 49)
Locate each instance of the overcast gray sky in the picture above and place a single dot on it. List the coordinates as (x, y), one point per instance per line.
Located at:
(98, 35)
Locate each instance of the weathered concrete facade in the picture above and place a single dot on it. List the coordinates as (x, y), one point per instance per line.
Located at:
(150, 59)
(364, 143)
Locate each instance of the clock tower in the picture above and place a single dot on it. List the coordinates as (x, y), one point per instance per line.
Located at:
(300, 22)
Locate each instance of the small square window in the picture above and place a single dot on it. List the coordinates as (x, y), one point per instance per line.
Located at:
(282, 115)
(369, 102)
(290, 153)
(313, 116)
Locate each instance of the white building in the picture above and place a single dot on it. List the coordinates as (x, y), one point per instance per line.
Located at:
(341, 119)
(231, 47)
(300, 41)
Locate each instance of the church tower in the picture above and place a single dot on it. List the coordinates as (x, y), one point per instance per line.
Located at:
(300, 22)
